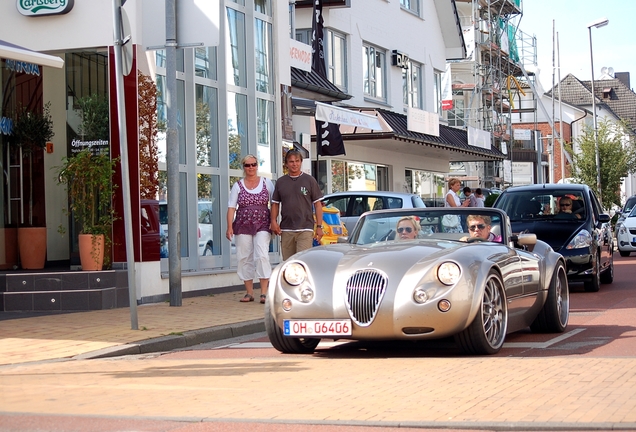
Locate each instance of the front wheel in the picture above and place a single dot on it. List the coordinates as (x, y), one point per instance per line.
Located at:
(594, 284)
(607, 277)
(624, 254)
(554, 316)
(286, 345)
(486, 334)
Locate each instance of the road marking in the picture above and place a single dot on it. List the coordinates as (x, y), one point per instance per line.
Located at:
(331, 344)
(257, 345)
(546, 344)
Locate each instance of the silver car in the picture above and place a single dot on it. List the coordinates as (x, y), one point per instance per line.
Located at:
(353, 203)
(442, 283)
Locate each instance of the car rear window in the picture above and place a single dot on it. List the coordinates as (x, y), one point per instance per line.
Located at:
(629, 205)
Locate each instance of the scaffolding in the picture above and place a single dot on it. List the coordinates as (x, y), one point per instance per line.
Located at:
(486, 84)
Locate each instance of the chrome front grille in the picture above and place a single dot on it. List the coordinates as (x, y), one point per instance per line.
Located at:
(365, 290)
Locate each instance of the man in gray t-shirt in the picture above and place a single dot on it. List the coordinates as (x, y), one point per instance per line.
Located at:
(296, 195)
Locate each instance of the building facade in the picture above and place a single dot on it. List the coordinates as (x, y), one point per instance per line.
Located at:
(231, 101)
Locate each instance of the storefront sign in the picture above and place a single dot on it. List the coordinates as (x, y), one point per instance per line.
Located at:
(22, 67)
(299, 55)
(97, 146)
(6, 126)
(44, 7)
(400, 59)
(422, 121)
(343, 116)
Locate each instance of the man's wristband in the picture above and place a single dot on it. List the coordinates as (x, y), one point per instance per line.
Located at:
(319, 226)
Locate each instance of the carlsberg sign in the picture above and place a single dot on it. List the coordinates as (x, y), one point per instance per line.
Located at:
(44, 7)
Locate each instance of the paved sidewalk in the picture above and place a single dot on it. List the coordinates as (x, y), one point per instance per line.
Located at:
(106, 333)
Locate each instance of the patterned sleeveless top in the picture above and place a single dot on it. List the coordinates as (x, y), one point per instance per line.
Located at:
(252, 214)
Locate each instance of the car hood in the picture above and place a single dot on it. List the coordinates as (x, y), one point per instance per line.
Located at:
(393, 258)
(556, 233)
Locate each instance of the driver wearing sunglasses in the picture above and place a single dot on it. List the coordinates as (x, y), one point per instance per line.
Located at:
(480, 226)
(408, 228)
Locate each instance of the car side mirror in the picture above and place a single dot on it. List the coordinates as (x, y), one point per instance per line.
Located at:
(604, 218)
(343, 239)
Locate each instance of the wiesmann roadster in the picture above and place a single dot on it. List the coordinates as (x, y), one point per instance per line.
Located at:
(463, 274)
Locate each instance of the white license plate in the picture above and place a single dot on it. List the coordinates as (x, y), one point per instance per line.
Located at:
(317, 328)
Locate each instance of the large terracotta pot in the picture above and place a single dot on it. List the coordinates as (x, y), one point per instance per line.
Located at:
(32, 246)
(91, 249)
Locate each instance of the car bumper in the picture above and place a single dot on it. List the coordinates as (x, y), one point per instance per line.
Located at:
(626, 242)
(579, 263)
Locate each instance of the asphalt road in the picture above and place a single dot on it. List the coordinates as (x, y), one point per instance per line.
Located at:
(583, 379)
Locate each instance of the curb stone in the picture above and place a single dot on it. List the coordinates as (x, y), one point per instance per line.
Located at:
(170, 342)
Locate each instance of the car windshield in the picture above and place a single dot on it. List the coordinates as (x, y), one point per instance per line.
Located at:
(632, 213)
(557, 205)
(432, 223)
(629, 205)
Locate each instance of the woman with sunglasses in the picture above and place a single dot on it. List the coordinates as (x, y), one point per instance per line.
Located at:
(408, 228)
(250, 228)
(479, 227)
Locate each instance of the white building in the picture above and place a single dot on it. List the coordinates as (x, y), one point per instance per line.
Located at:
(229, 104)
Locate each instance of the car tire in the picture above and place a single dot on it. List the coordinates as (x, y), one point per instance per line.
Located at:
(607, 277)
(286, 345)
(555, 313)
(624, 254)
(594, 284)
(486, 334)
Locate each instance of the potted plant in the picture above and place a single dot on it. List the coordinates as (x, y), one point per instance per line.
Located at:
(88, 177)
(31, 131)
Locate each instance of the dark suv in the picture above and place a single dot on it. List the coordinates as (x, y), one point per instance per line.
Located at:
(569, 218)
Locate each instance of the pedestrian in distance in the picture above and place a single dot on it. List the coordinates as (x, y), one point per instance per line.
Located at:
(248, 220)
(296, 196)
(468, 193)
(477, 199)
(452, 199)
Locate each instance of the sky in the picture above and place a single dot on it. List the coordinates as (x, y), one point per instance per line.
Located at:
(614, 45)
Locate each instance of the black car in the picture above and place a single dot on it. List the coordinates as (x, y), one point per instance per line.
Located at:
(570, 219)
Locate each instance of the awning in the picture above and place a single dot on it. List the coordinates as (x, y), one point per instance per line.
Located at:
(343, 116)
(18, 53)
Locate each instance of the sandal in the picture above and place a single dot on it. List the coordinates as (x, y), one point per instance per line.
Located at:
(263, 298)
(247, 298)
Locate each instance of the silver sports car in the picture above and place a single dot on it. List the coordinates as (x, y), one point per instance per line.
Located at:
(420, 274)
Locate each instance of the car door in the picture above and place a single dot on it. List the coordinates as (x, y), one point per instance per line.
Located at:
(602, 231)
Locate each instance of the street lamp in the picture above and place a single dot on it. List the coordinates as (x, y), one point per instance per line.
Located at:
(598, 23)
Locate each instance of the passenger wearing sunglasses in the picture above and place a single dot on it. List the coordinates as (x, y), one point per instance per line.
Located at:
(408, 228)
(248, 220)
(479, 227)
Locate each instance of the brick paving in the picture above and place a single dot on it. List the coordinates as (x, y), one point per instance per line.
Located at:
(552, 389)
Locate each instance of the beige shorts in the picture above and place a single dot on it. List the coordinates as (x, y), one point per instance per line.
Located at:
(295, 241)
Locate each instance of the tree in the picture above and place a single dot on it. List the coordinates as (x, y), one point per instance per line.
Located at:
(148, 131)
(617, 155)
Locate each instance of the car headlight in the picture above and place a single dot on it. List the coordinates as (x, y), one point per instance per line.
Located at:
(448, 273)
(582, 239)
(295, 274)
(419, 295)
(620, 229)
(306, 295)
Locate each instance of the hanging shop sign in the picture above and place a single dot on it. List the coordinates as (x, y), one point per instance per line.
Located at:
(400, 59)
(33, 8)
